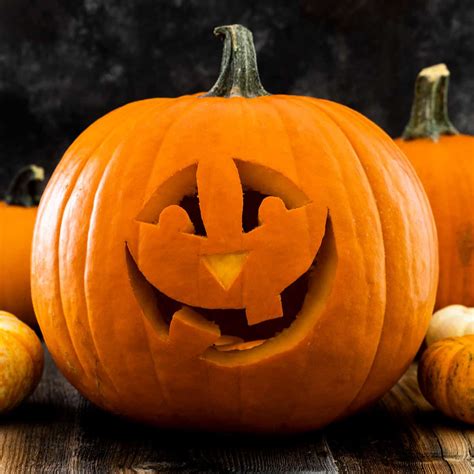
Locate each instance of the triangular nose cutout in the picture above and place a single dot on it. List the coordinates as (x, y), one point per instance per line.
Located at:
(225, 267)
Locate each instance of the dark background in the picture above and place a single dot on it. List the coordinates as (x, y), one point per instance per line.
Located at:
(64, 63)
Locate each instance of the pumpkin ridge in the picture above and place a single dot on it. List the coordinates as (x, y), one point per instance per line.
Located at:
(348, 408)
(12, 393)
(193, 104)
(174, 104)
(269, 103)
(442, 394)
(72, 184)
(57, 277)
(27, 333)
(297, 171)
(409, 173)
(29, 352)
(16, 237)
(107, 122)
(408, 169)
(446, 170)
(152, 108)
(290, 147)
(307, 104)
(276, 100)
(450, 395)
(288, 137)
(445, 376)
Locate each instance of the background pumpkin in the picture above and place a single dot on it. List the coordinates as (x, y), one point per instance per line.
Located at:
(132, 175)
(17, 220)
(454, 320)
(21, 361)
(444, 161)
(446, 376)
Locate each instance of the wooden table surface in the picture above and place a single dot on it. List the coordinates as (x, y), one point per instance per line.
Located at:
(56, 430)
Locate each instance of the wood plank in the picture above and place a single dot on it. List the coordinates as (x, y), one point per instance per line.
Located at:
(58, 431)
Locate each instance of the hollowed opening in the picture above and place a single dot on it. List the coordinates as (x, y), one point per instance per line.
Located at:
(191, 205)
(258, 182)
(252, 201)
(232, 323)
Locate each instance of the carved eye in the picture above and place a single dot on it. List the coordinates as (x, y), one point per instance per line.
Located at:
(191, 205)
(252, 201)
(256, 183)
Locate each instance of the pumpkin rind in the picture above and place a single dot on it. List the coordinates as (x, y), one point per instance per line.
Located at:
(446, 377)
(443, 160)
(451, 321)
(364, 315)
(17, 221)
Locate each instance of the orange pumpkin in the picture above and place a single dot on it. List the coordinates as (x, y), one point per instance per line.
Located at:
(17, 221)
(21, 361)
(444, 162)
(234, 260)
(446, 376)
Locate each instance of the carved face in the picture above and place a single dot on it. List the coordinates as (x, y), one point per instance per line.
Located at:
(222, 236)
(270, 270)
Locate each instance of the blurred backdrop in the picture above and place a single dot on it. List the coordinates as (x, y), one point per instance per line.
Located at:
(64, 63)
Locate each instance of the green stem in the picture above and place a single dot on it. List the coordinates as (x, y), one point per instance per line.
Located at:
(238, 76)
(429, 114)
(25, 189)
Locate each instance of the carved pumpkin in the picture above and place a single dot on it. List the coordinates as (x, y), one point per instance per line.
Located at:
(22, 360)
(444, 162)
(234, 260)
(446, 377)
(17, 221)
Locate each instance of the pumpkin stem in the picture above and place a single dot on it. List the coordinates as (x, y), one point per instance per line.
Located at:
(238, 76)
(25, 189)
(429, 113)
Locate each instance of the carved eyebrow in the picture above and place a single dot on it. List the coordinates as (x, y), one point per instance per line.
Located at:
(171, 191)
(270, 182)
(253, 176)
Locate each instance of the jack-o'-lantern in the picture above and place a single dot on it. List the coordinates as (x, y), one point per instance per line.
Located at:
(234, 260)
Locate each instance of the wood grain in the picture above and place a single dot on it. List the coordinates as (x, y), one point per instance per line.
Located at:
(57, 431)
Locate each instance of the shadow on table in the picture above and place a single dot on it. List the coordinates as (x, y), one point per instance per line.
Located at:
(376, 437)
(94, 422)
(34, 412)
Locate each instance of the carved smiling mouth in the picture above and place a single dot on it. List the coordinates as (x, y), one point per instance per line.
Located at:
(236, 333)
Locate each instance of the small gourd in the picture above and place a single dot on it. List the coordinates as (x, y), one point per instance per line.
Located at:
(446, 376)
(451, 321)
(21, 361)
